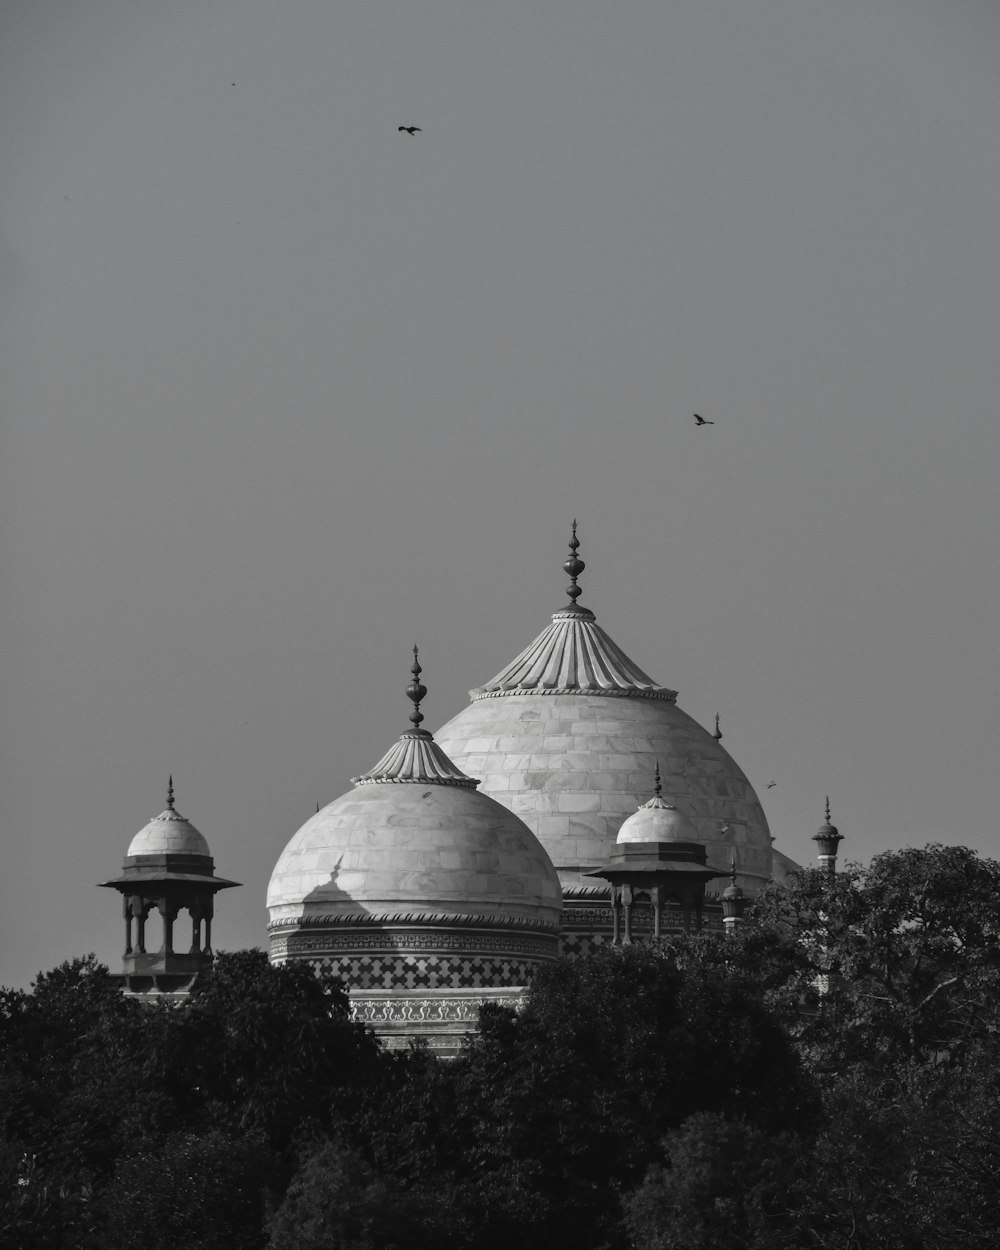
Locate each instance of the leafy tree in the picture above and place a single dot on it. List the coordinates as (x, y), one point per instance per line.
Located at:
(204, 1192)
(337, 1201)
(898, 963)
(721, 1184)
(68, 1078)
(95, 1087)
(553, 1110)
(270, 1048)
(899, 1164)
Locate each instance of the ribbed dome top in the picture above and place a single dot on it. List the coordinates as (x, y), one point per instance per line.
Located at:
(573, 654)
(416, 758)
(168, 834)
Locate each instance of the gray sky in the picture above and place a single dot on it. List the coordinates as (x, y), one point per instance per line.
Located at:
(284, 391)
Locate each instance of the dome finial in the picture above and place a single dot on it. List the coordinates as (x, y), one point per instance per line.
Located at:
(170, 793)
(718, 732)
(827, 809)
(657, 787)
(415, 691)
(574, 566)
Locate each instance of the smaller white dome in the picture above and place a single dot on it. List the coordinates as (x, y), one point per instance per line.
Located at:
(168, 834)
(657, 821)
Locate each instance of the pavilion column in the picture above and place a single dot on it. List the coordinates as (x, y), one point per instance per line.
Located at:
(127, 907)
(627, 900)
(140, 916)
(168, 911)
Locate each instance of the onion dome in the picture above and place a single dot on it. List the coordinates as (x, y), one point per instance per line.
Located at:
(168, 834)
(566, 733)
(657, 821)
(415, 862)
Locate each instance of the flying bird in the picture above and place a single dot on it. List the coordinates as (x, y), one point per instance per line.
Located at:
(701, 420)
(770, 785)
(412, 130)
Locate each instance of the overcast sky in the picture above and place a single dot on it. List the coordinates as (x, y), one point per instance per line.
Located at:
(284, 391)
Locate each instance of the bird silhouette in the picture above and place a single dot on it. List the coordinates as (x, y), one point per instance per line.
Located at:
(701, 420)
(770, 785)
(412, 130)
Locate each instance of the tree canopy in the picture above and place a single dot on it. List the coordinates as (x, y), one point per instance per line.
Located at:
(828, 1077)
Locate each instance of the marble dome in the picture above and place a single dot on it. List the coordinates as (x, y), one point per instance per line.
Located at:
(656, 821)
(569, 734)
(415, 885)
(168, 834)
(420, 850)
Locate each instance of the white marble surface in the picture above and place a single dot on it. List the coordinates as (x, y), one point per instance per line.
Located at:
(168, 834)
(574, 766)
(420, 849)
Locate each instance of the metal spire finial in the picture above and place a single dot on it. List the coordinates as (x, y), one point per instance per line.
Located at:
(415, 691)
(718, 732)
(574, 566)
(732, 874)
(656, 786)
(170, 793)
(827, 809)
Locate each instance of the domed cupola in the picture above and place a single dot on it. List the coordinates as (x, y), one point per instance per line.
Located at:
(168, 834)
(566, 732)
(426, 896)
(657, 873)
(168, 869)
(656, 821)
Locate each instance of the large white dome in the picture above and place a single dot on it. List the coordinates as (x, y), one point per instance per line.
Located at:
(415, 850)
(569, 735)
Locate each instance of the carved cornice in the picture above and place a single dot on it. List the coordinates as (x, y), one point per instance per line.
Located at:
(423, 920)
(462, 943)
(665, 695)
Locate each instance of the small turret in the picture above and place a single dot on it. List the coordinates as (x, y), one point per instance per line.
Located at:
(733, 902)
(827, 839)
(656, 857)
(167, 868)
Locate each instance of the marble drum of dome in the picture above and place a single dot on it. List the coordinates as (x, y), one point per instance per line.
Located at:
(569, 735)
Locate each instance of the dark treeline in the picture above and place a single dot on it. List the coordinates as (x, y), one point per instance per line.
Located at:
(828, 1077)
